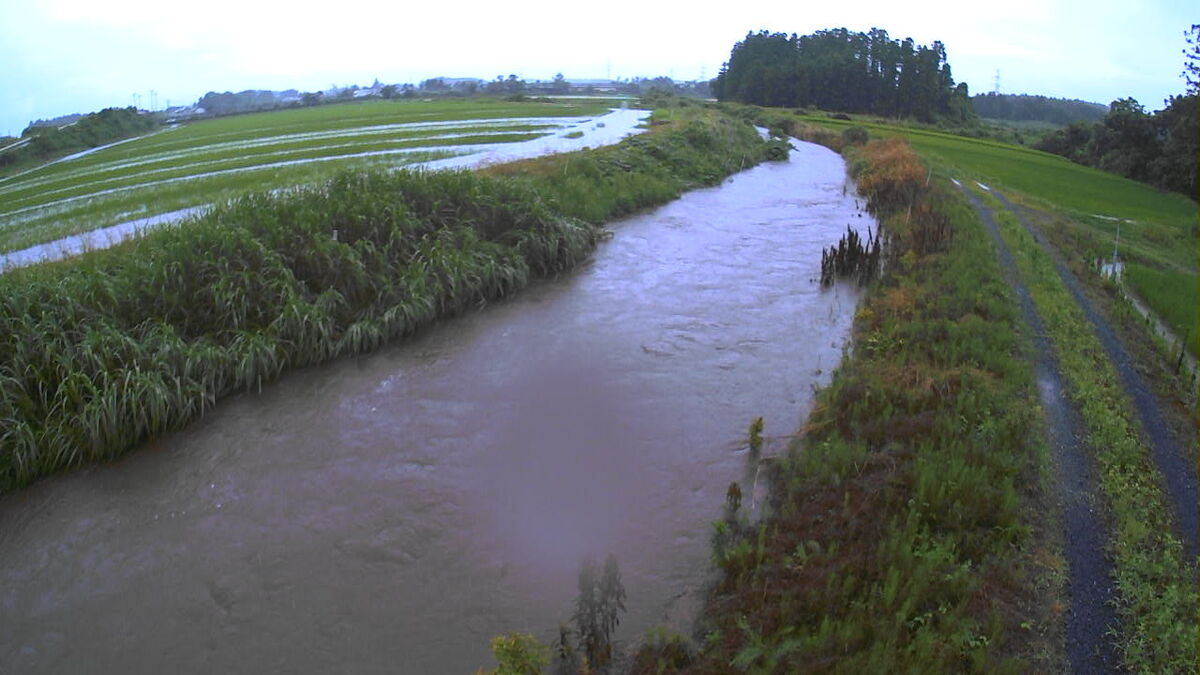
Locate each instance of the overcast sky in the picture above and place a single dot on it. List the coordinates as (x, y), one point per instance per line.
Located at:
(64, 56)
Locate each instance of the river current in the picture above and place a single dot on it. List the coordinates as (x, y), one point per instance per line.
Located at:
(393, 512)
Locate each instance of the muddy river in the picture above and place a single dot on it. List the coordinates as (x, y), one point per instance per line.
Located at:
(391, 513)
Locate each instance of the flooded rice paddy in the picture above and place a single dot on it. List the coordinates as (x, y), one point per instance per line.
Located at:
(392, 513)
(194, 190)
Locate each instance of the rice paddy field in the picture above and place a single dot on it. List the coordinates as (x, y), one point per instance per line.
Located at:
(208, 162)
(1157, 230)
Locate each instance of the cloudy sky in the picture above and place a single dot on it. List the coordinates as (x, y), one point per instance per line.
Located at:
(63, 56)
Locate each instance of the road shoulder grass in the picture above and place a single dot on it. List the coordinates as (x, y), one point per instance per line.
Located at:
(1156, 585)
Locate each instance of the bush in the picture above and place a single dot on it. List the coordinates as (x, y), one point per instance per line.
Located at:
(854, 136)
(519, 654)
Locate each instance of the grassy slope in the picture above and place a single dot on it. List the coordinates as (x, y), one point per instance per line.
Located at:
(99, 352)
(1162, 237)
(1164, 231)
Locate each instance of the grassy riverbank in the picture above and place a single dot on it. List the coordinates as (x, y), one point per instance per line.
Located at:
(913, 526)
(100, 352)
(904, 532)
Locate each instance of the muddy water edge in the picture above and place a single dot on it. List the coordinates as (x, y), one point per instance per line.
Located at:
(393, 512)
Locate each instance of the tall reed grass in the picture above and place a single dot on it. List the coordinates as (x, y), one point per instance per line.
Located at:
(100, 352)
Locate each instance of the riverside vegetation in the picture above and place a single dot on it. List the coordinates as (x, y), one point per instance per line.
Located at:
(1157, 230)
(912, 526)
(100, 352)
(900, 534)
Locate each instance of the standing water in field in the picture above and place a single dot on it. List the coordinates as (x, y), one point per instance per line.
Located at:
(570, 134)
(392, 513)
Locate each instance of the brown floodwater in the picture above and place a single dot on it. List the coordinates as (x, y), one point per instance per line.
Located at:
(392, 513)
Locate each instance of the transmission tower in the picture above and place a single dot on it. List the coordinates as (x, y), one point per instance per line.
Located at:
(996, 88)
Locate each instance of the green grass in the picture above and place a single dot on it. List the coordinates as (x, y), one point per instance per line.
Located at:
(92, 214)
(872, 433)
(345, 116)
(1172, 295)
(901, 530)
(1164, 227)
(1156, 594)
(101, 351)
(70, 197)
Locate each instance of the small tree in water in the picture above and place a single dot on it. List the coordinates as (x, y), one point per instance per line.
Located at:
(601, 599)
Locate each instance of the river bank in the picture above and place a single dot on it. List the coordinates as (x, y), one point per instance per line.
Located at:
(405, 507)
(127, 343)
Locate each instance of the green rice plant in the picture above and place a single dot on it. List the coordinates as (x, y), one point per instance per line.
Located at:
(242, 143)
(1173, 295)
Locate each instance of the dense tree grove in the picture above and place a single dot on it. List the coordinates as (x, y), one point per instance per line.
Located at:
(1026, 108)
(1159, 148)
(844, 71)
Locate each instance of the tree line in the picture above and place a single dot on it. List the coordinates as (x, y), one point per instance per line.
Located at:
(1027, 108)
(844, 71)
(1158, 148)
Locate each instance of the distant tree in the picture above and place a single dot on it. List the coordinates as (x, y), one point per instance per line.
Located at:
(1191, 59)
(1159, 148)
(388, 91)
(1024, 107)
(560, 84)
(310, 98)
(434, 85)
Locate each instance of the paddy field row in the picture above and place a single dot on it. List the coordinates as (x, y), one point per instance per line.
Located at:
(214, 160)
